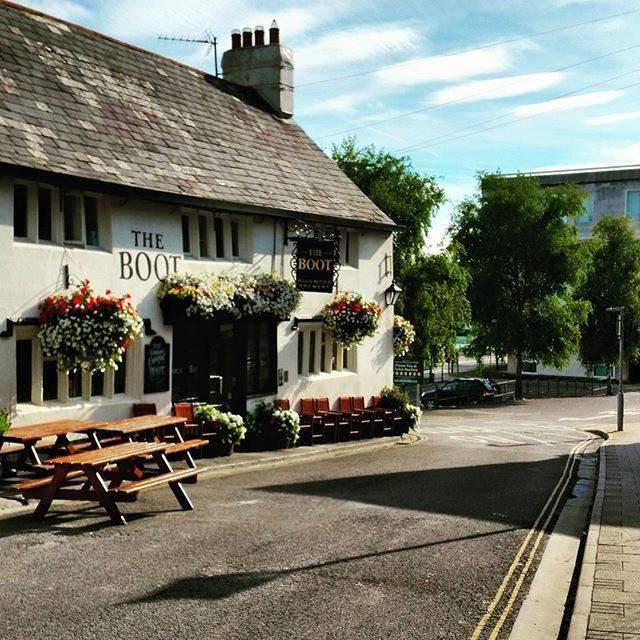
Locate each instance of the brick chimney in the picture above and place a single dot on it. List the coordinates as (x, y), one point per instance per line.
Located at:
(268, 68)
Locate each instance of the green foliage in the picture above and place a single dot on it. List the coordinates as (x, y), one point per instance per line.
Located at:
(524, 263)
(405, 195)
(268, 422)
(231, 429)
(437, 305)
(393, 398)
(612, 279)
(396, 398)
(5, 423)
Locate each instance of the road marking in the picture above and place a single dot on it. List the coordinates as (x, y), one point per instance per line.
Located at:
(553, 502)
(522, 435)
(500, 438)
(475, 439)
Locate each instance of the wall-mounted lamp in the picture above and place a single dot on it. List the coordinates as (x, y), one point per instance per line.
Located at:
(392, 293)
(387, 264)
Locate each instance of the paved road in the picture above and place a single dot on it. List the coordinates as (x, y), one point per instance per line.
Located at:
(408, 542)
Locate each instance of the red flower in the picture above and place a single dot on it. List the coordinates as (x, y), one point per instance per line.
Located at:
(108, 292)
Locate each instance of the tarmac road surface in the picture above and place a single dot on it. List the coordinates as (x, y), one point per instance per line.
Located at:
(413, 541)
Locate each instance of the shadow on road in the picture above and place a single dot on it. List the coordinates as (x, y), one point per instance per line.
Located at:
(511, 493)
(226, 585)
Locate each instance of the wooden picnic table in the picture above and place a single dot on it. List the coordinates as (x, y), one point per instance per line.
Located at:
(110, 475)
(29, 436)
(150, 428)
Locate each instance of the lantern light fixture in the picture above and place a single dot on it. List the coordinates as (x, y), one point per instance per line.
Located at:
(392, 293)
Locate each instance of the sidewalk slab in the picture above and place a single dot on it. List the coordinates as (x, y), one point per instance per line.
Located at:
(608, 599)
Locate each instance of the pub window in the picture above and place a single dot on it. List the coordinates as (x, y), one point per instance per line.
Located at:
(235, 239)
(24, 371)
(50, 380)
(350, 248)
(120, 376)
(97, 383)
(203, 236)
(44, 214)
(261, 357)
(72, 215)
(91, 221)
(75, 383)
(319, 352)
(218, 227)
(186, 235)
(20, 210)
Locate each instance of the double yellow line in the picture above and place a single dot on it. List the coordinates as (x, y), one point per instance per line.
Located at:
(534, 536)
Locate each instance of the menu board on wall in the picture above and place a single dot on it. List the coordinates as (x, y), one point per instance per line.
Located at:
(156, 366)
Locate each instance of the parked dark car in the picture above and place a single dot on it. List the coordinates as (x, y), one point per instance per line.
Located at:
(460, 391)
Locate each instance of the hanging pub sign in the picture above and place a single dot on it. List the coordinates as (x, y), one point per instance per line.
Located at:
(315, 264)
(156, 366)
(405, 371)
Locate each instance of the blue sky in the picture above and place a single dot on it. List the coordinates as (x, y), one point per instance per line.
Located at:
(415, 55)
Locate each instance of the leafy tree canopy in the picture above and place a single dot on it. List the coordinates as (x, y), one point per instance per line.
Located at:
(405, 195)
(524, 262)
(437, 305)
(612, 279)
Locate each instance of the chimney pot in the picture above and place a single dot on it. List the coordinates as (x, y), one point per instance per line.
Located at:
(236, 41)
(247, 37)
(259, 34)
(274, 33)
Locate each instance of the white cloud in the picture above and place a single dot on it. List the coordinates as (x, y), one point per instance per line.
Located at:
(63, 9)
(136, 20)
(445, 68)
(498, 87)
(341, 104)
(568, 103)
(339, 48)
(625, 155)
(613, 118)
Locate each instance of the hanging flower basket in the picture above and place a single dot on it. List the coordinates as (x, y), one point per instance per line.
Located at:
(403, 335)
(351, 318)
(86, 331)
(213, 295)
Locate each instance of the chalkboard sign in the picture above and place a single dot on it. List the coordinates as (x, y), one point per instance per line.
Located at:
(156, 366)
(315, 264)
(407, 370)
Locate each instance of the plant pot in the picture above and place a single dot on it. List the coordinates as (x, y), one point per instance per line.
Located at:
(171, 311)
(276, 442)
(221, 449)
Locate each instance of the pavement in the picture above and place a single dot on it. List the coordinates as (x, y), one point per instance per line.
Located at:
(608, 598)
(437, 540)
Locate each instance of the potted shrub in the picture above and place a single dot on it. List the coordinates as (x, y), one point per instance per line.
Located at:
(228, 428)
(273, 428)
(396, 399)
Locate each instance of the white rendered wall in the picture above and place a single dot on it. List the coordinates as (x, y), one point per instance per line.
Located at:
(29, 272)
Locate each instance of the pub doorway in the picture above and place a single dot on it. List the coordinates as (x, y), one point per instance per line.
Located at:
(224, 362)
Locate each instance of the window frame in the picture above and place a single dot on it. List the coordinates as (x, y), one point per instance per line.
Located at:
(329, 357)
(633, 216)
(27, 221)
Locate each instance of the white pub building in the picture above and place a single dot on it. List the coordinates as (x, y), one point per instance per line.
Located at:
(120, 166)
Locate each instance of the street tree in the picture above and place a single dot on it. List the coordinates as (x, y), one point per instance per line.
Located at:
(524, 263)
(436, 304)
(406, 196)
(612, 279)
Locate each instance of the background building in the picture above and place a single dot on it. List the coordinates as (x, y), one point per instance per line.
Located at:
(121, 166)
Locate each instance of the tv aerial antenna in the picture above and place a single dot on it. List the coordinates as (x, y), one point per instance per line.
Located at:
(208, 39)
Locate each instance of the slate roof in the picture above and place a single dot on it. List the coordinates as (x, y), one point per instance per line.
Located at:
(77, 103)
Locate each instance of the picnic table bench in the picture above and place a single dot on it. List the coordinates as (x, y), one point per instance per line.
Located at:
(29, 440)
(150, 428)
(111, 474)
